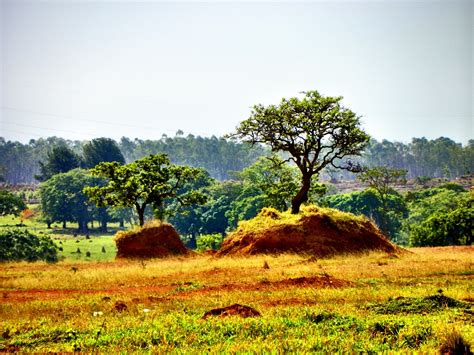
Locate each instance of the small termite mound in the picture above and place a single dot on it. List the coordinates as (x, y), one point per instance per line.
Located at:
(153, 240)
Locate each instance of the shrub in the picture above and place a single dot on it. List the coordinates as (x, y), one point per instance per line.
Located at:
(20, 244)
(209, 242)
(453, 228)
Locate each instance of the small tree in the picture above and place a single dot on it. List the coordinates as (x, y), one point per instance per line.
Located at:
(148, 181)
(381, 179)
(316, 131)
(10, 204)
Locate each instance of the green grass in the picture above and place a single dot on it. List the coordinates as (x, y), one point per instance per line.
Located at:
(96, 248)
(69, 240)
(50, 308)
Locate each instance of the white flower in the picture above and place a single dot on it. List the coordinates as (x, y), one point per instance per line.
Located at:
(146, 310)
(97, 313)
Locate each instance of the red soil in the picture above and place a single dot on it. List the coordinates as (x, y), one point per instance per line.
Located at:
(155, 241)
(159, 293)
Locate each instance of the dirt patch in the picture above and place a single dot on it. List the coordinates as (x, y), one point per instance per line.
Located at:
(317, 231)
(156, 240)
(120, 306)
(234, 310)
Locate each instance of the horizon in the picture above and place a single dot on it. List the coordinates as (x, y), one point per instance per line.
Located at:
(185, 135)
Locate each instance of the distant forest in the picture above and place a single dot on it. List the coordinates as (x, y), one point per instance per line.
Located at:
(441, 157)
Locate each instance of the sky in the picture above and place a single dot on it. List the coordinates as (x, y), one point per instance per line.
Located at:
(141, 69)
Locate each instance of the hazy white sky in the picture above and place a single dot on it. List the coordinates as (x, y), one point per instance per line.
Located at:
(85, 69)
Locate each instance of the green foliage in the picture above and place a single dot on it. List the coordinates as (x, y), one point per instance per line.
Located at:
(20, 244)
(101, 150)
(10, 204)
(60, 159)
(272, 178)
(63, 200)
(369, 203)
(209, 242)
(316, 131)
(149, 181)
(452, 228)
(212, 217)
(381, 179)
(421, 157)
(440, 216)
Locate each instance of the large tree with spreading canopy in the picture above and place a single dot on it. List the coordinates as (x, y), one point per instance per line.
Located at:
(316, 131)
(148, 181)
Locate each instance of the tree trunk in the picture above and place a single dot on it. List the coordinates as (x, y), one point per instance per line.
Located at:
(122, 223)
(103, 226)
(82, 224)
(141, 214)
(192, 242)
(302, 195)
(64, 224)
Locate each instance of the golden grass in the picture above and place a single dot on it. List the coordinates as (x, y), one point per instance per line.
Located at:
(39, 301)
(270, 217)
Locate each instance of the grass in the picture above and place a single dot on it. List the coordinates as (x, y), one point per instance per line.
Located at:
(272, 217)
(47, 308)
(96, 246)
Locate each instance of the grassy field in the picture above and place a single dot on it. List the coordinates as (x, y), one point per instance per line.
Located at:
(97, 246)
(372, 303)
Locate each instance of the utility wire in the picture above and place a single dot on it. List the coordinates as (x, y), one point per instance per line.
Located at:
(77, 119)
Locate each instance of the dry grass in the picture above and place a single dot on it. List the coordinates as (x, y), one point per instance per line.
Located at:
(45, 302)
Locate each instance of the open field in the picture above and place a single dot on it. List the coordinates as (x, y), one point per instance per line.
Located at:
(349, 303)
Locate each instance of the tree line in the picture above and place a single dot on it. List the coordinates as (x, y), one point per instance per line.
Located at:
(313, 133)
(441, 157)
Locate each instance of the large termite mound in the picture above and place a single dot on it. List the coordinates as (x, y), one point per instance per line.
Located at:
(153, 240)
(317, 231)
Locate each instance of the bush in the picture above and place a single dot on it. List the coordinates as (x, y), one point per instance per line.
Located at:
(453, 228)
(20, 244)
(209, 242)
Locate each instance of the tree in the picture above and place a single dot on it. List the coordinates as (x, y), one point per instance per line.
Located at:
(101, 150)
(63, 200)
(148, 181)
(60, 159)
(368, 203)
(316, 131)
(452, 228)
(10, 204)
(381, 179)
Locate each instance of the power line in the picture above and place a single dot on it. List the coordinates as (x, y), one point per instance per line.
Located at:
(76, 119)
(50, 129)
(69, 118)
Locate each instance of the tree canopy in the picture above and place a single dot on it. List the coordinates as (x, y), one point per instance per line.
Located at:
(316, 131)
(60, 159)
(381, 179)
(10, 204)
(101, 150)
(148, 181)
(63, 200)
